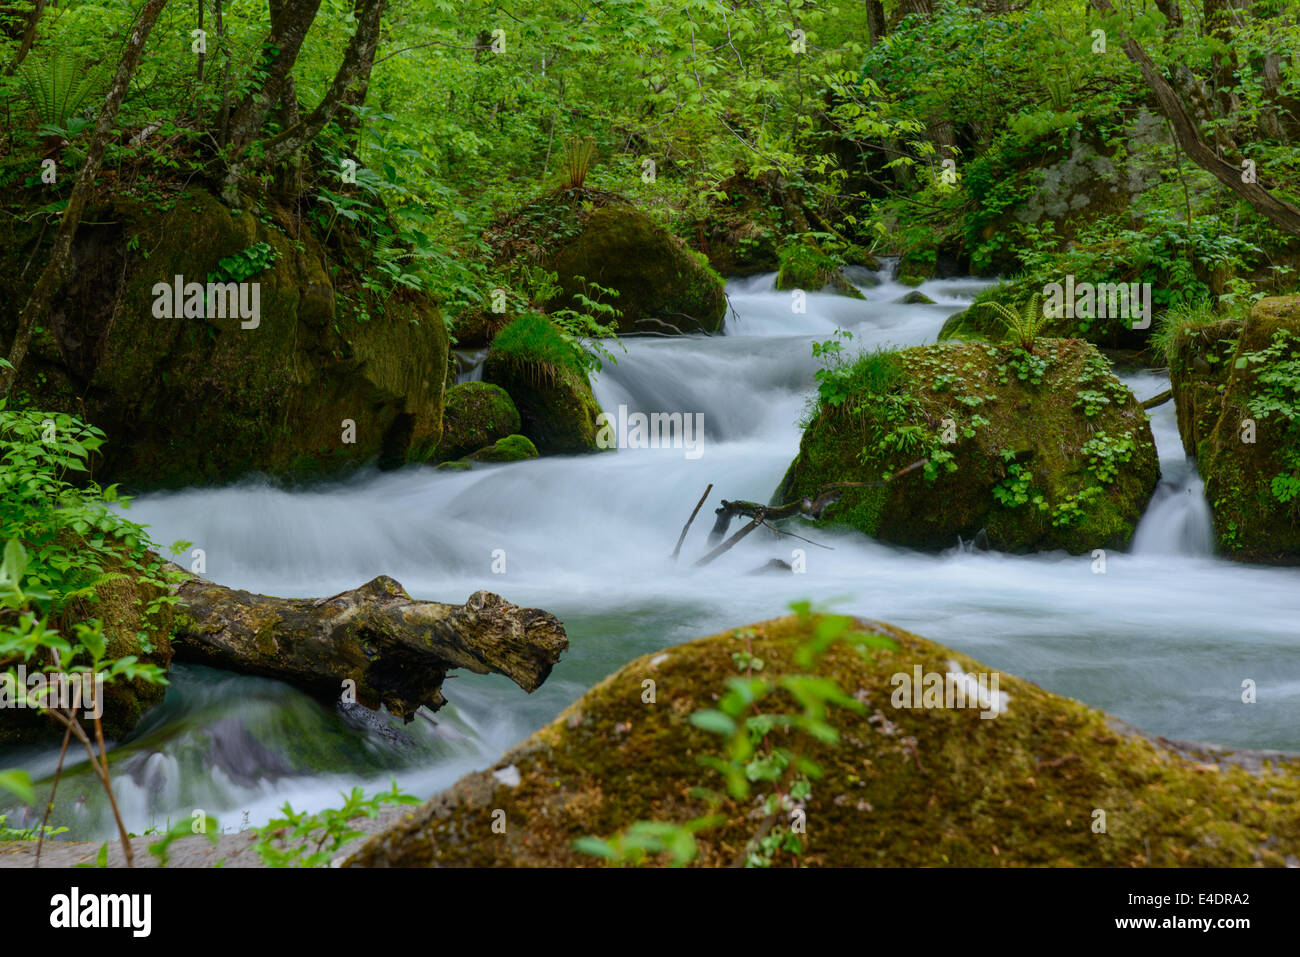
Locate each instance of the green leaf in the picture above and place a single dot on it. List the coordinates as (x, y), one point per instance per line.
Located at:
(710, 719)
(18, 783)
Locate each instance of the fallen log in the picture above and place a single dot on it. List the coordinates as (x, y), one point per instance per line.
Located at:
(1160, 399)
(396, 650)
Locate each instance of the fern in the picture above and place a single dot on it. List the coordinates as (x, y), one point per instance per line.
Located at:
(579, 151)
(1022, 327)
(59, 87)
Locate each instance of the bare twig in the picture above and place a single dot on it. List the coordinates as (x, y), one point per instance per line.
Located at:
(687, 527)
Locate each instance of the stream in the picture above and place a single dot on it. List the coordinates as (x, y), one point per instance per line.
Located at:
(1163, 639)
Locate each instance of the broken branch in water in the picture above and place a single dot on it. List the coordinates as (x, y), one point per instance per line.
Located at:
(687, 527)
(813, 508)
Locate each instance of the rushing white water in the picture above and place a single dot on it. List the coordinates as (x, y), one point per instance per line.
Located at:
(1163, 639)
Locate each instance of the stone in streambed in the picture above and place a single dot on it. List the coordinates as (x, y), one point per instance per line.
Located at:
(1040, 451)
(903, 785)
(476, 415)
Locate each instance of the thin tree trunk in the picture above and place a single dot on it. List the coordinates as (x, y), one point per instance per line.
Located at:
(55, 271)
(290, 21)
(29, 37)
(1277, 211)
(875, 22)
(360, 53)
(356, 93)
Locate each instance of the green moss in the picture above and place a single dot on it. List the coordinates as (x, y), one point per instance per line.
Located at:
(476, 415)
(1243, 478)
(659, 280)
(556, 406)
(191, 401)
(1030, 463)
(534, 340)
(920, 787)
(805, 265)
(512, 448)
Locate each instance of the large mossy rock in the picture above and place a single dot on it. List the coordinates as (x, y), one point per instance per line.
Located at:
(926, 787)
(476, 414)
(1065, 463)
(194, 400)
(1250, 456)
(547, 380)
(123, 606)
(662, 284)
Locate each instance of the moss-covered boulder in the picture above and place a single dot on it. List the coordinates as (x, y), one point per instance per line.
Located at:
(804, 264)
(1041, 450)
(1200, 358)
(1250, 458)
(546, 376)
(124, 604)
(662, 284)
(1047, 782)
(511, 448)
(476, 415)
(743, 225)
(317, 382)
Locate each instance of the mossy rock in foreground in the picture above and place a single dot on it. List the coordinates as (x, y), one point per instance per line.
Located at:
(1033, 469)
(1243, 478)
(904, 787)
(476, 414)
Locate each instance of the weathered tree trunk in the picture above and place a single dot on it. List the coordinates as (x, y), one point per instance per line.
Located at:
(54, 273)
(356, 93)
(29, 37)
(354, 70)
(395, 649)
(1277, 211)
(290, 21)
(356, 63)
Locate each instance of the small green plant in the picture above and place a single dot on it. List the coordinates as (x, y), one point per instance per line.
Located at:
(579, 152)
(763, 749)
(1022, 326)
(300, 839)
(58, 88)
(244, 264)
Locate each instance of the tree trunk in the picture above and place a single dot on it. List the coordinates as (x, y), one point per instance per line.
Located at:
(354, 69)
(875, 22)
(54, 273)
(396, 650)
(1173, 14)
(290, 21)
(29, 37)
(356, 93)
(1277, 211)
(1218, 24)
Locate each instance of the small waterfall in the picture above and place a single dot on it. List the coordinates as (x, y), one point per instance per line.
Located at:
(1177, 521)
